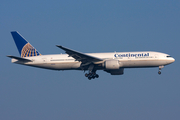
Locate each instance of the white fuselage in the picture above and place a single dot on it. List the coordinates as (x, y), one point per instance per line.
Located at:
(126, 60)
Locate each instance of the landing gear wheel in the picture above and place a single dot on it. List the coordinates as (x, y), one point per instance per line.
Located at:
(160, 68)
(86, 75)
(97, 76)
(91, 75)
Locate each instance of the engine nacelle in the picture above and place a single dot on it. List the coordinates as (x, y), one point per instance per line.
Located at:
(111, 64)
(116, 72)
(113, 67)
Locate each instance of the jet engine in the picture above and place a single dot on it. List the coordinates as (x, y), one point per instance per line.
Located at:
(111, 64)
(113, 67)
(116, 72)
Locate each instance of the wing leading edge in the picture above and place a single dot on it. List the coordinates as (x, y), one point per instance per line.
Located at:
(78, 56)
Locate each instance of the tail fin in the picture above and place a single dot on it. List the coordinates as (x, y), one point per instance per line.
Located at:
(25, 48)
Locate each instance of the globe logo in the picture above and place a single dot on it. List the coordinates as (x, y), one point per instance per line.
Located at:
(28, 51)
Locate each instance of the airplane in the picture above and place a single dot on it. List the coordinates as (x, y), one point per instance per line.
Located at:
(112, 62)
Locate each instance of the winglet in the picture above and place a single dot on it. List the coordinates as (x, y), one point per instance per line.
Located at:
(25, 48)
(59, 46)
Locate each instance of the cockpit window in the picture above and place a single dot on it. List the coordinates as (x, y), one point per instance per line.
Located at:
(168, 56)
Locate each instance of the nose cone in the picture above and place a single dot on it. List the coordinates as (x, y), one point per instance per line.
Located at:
(171, 60)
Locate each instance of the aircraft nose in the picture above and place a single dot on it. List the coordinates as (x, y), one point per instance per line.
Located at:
(170, 60)
(173, 60)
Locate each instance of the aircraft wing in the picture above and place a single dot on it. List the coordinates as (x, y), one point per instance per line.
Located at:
(19, 58)
(84, 58)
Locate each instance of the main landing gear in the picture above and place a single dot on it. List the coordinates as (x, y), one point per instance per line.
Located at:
(160, 68)
(91, 75)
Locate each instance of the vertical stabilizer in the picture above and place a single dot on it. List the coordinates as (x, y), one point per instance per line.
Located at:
(25, 48)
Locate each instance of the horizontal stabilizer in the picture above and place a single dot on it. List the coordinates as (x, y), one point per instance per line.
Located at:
(19, 58)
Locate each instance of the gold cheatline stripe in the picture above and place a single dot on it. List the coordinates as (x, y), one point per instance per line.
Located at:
(22, 52)
(25, 50)
(32, 52)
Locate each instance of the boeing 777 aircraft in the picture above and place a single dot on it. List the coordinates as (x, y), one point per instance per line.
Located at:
(113, 63)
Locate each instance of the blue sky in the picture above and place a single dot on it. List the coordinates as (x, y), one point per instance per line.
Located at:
(90, 26)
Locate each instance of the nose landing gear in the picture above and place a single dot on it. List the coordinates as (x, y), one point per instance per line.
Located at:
(160, 68)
